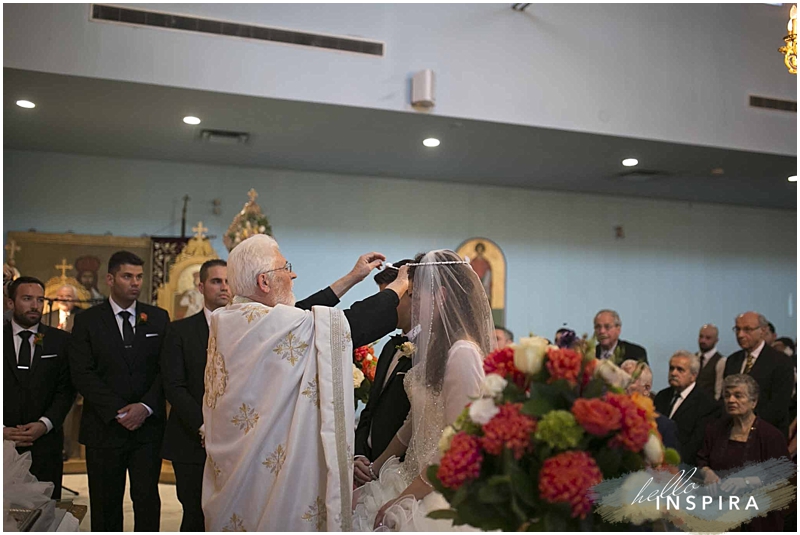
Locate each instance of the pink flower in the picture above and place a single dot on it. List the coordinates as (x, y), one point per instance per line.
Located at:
(462, 462)
(567, 477)
(509, 428)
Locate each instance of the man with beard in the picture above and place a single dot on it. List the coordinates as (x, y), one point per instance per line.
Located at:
(278, 404)
(37, 392)
(115, 365)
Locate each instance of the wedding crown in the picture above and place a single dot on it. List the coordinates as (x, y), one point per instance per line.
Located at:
(441, 263)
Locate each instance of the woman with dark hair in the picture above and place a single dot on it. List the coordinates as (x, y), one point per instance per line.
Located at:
(454, 331)
(737, 439)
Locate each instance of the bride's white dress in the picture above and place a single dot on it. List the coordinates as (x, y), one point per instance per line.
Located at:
(462, 382)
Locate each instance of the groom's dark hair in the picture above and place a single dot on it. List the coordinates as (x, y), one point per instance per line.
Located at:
(388, 275)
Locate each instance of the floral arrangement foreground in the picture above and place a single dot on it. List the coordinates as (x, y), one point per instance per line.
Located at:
(365, 363)
(551, 423)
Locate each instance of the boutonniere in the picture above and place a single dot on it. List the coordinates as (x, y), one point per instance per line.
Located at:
(406, 349)
(142, 319)
(38, 339)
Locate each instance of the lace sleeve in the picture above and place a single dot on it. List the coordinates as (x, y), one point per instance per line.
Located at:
(404, 433)
(462, 379)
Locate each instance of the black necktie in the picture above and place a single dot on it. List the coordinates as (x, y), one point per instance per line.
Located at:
(127, 330)
(675, 398)
(24, 360)
(702, 360)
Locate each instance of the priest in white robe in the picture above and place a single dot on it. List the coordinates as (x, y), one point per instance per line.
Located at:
(278, 405)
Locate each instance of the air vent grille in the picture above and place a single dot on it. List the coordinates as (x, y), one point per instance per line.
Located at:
(138, 17)
(773, 104)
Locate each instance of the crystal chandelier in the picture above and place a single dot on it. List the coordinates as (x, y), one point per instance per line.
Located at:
(790, 50)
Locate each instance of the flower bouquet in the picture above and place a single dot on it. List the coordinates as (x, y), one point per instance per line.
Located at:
(364, 365)
(550, 424)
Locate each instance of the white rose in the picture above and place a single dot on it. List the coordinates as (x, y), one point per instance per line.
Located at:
(483, 410)
(612, 374)
(358, 376)
(529, 354)
(446, 438)
(493, 385)
(654, 450)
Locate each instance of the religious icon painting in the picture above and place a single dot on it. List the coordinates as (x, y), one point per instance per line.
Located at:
(489, 263)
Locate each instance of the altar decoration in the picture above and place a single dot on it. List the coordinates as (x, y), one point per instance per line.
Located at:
(249, 222)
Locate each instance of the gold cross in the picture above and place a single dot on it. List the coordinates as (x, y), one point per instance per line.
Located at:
(199, 230)
(63, 267)
(12, 248)
(252, 194)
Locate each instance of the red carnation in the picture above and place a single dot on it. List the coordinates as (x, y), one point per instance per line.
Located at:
(567, 477)
(501, 362)
(563, 364)
(635, 426)
(509, 428)
(462, 462)
(597, 416)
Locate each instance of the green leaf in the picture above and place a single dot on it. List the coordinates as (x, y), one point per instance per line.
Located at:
(524, 487)
(556, 521)
(594, 389)
(609, 461)
(493, 494)
(459, 497)
(443, 514)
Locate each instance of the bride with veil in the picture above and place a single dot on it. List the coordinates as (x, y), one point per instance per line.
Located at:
(455, 332)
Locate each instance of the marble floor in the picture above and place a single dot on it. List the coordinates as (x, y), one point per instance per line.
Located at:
(171, 510)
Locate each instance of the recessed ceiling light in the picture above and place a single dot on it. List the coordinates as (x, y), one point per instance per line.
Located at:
(630, 162)
(718, 171)
(191, 120)
(25, 104)
(431, 142)
(793, 178)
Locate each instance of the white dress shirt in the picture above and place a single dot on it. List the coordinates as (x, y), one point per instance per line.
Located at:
(756, 352)
(608, 353)
(15, 330)
(681, 397)
(132, 320)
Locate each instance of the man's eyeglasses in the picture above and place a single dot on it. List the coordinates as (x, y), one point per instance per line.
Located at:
(748, 330)
(287, 267)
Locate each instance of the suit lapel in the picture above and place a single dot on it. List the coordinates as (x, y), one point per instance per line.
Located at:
(684, 406)
(384, 362)
(139, 332)
(202, 328)
(113, 328)
(403, 365)
(11, 353)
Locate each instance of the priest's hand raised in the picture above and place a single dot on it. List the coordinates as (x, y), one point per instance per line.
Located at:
(365, 264)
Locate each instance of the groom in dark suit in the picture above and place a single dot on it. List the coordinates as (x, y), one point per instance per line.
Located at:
(388, 404)
(115, 363)
(37, 391)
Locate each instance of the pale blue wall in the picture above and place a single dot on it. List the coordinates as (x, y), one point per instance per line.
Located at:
(679, 266)
(680, 72)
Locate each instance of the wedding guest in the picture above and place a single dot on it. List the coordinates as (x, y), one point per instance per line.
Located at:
(712, 363)
(739, 438)
(771, 369)
(607, 328)
(115, 363)
(770, 335)
(503, 336)
(64, 309)
(685, 404)
(388, 403)
(643, 384)
(37, 392)
(785, 345)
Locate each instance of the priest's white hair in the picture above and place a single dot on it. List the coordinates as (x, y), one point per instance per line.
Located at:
(247, 260)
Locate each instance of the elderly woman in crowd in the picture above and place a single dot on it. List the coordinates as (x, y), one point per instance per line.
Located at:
(739, 438)
(642, 382)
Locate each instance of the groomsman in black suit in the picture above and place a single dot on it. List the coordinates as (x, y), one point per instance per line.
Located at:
(388, 404)
(685, 403)
(772, 370)
(183, 363)
(115, 363)
(37, 391)
(607, 328)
